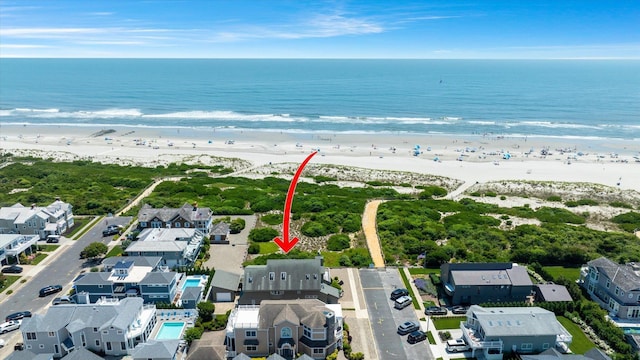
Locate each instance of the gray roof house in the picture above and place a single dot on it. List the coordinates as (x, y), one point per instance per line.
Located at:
(153, 262)
(109, 327)
(54, 219)
(28, 355)
(288, 279)
(156, 350)
(551, 292)
(224, 286)
(514, 330)
(188, 216)
(125, 279)
(177, 247)
(190, 297)
(476, 283)
(285, 328)
(220, 233)
(553, 354)
(615, 287)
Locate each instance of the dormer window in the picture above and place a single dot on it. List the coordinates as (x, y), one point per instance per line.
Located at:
(272, 276)
(307, 276)
(250, 279)
(283, 276)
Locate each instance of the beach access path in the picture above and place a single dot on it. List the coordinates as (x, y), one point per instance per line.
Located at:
(146, 192)
(371, 232)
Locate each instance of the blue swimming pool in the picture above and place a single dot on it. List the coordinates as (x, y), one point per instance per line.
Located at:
(170, 330)
(631, 330)
(190, 282)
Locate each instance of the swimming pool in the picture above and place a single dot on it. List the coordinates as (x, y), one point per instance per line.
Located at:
(631, 330)
(190, 282)
(170, 330)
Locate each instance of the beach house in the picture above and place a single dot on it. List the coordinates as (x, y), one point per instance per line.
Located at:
(492, 332)
(12, 245)
(288, 279)
(54, 219)
(477, 283)
(109, 327)
(188, 216)
(176, 247)
(285, 328)
(615, 287)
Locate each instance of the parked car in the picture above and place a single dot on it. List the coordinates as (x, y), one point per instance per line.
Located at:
(416, 337)
(402, 302)
(408, 327)
(63, 300)
(13, 269)
(18, 315)
(111, 230)
(18, 346)
(435, 310)
(51, 289)
(457, 345)
(458, 309)
(53, 239)
(398, 293)
(10, 326)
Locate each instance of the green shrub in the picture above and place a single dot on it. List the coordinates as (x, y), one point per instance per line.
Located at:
(431, 191)
(236, 226)
(628, 221)
(554, 198)
(254, 248)
(338, 242)
(272, 219)
(263, 234)
(621, 204)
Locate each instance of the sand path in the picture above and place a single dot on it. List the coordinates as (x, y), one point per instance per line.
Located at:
(146, 192)
(371, 232)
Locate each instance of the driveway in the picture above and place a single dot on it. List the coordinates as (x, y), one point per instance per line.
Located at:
(229, 257)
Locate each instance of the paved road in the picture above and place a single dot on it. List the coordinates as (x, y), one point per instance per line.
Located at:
(61, 269)
(377, 285)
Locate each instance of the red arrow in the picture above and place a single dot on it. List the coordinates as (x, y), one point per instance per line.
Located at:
(285, 244)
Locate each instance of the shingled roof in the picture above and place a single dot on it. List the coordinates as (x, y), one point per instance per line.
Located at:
(187, 212)
(624, 276)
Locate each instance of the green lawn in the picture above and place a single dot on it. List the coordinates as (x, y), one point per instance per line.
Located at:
(570, 273)
(407, 285)
(38, 258)
(78, 223)
(268, 247)
(48, 248)
(423, 271)
(447, 323)
(581, 343)
(9, 279)
(115, 251)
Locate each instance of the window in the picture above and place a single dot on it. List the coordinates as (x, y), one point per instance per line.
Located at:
(617, 291)
(52, 334)
(526, 346)
(285, 332)
(108, 345)
(100, 286)
(272, 276)
(41, 346)
(250, 333)
(123, 345)
(307, 332)
(283, 276)
(545, 346)
(251, 348)
(55, 348)
(119, 332)
(31, 336)
(177, 224)
(608, 283)
(186, 224)
(276, 292)
(84, 342)
(143, 224)
(319, 351)
(97, 342)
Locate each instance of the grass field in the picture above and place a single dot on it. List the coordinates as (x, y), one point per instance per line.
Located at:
(38, 258)
(581, 343)
(407, 285)
(115, 251)
(48, 248)
(9, 279)
(423, 271)
(447, 323)
(570, 273)
(268, 247)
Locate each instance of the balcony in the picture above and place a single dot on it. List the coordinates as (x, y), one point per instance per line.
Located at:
(491, 349)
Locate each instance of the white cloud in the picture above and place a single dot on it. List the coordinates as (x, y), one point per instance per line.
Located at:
(47, 32)
(22, 46)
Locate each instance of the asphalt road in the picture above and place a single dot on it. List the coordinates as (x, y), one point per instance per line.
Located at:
(377, 286)
(62, 269)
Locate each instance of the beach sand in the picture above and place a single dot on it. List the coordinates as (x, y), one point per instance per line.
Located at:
(466, 160)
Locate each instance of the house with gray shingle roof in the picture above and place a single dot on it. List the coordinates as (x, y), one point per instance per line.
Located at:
(54, 219)
(177, 247)
(224, 286)
(156, 350)
(188, 216)
(477, 283)
(125, 279)
(109, 327)
(285, 328)
(553, 354)
(551, 292)
(220, 233)
(288, 279)
(493, 331)
(615, 287)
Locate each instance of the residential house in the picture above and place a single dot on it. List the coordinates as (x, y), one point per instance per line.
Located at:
(54, 219)
(190, 297)
(288, 279)
(177, 247)
(615, 287)
(491, 332)
(127, 279)
(188, 216)
(28, 355)
(220, 233)
(108, 327)
(551, 292)
(285, 328)
(156, 350)
(553, 354)
(477, 283)
(12, 245)
(224, 286)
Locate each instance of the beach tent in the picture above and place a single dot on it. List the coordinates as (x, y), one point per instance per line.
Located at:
(506, 156)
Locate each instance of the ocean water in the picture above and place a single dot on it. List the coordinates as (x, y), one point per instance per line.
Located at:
(563, 98)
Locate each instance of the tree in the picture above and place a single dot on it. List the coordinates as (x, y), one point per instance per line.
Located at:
(338, 242)
(236, 226)
(94, 250)
(205, 310)
(193, 334)
(265, 234)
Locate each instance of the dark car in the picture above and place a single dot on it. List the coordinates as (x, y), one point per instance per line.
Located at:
(416, 337)
(435, 310)
(459, 309)
(18, 346)
(111, 230)
(13, 269)
(18, 315)
(53, 239)
(408, 327)
(398, 293)
(48, 290)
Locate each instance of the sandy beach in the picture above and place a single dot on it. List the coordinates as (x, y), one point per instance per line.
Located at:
(472, 159)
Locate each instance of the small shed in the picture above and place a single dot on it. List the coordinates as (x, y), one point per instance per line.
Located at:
(552, 292)
(220, 233)
(191, 297)
(224, 286)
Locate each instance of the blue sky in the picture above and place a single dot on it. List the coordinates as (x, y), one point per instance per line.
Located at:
(320, 29)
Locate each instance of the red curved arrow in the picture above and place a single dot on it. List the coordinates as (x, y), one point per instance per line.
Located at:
(285, 244)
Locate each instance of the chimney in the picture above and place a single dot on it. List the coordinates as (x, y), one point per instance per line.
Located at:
(195, 206)
(57, 198)
(33, 206)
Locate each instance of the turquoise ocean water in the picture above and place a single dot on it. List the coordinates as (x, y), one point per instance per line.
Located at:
(563, 98)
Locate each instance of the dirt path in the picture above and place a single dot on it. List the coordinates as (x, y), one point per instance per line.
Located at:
(371, 233)
(146, 193)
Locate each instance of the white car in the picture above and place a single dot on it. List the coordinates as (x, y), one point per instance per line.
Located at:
(1, 343)
(10, 326)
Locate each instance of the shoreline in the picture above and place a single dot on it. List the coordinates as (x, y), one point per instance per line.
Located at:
(469, 158)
